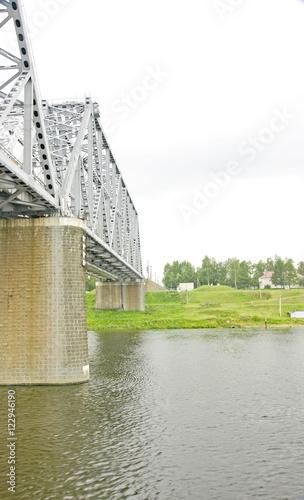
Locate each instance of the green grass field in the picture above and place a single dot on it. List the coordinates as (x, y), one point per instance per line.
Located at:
(208, 307)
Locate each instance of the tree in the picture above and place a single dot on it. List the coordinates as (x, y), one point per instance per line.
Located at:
(90, 283)
(269, 265)
(232, 272)
(221, 273)
(178, 272)
(244, 279)
(187, 272)
(291, 276)
(172, 275)
(278, 277)
(301, 268)
(205, 271)
(232, 267)
(211, 272)
(207, 274)
(217, 273)
(258, 271)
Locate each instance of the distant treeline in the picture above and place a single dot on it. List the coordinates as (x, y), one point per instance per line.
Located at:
(233, 272)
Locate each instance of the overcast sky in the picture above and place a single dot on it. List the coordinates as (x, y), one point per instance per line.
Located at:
(203, 105)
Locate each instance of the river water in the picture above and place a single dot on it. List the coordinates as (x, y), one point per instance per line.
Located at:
(168, 415)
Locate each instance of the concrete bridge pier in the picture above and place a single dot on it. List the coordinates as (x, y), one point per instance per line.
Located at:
(43, 332)
(120, 296)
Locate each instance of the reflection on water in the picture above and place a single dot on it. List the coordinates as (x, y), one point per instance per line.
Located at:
(167, 415)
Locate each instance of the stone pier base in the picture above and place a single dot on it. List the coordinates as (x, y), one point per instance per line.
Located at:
(134, 296)
(120, 296)
(108, 296)
(43, 333)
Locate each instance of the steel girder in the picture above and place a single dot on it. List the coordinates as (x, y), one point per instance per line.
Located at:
(56, 160)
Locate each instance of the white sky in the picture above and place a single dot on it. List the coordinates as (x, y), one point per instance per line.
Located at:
(221, 80)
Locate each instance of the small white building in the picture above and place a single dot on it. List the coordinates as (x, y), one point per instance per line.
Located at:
(296, 314)
(185, 287)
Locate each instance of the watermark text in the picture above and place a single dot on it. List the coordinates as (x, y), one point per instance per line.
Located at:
(248, 150)
(226, 7)
(12, 440)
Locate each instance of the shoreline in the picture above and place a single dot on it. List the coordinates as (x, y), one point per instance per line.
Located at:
(205, 308)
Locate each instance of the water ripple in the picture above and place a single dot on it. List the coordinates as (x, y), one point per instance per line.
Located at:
(167, 415)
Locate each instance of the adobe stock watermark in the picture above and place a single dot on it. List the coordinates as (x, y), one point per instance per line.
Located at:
(129, 101)
(11, 441)
(224, 7)
(48, 10)
(248, 150)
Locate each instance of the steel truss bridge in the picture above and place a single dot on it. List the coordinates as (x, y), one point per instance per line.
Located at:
(55, 160)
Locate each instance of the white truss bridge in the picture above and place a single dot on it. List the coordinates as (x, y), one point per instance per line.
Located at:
(55, 160)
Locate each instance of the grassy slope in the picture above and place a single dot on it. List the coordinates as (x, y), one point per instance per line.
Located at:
(208, 307)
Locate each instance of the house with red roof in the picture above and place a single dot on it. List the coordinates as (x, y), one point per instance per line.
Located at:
(266, 280)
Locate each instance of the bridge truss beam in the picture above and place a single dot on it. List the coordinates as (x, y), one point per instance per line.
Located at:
(56, 160)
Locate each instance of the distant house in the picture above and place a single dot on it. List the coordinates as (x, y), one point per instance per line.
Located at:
(266, 279)
(185, 287)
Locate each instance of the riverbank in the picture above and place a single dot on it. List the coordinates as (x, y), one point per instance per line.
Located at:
(207, 307)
